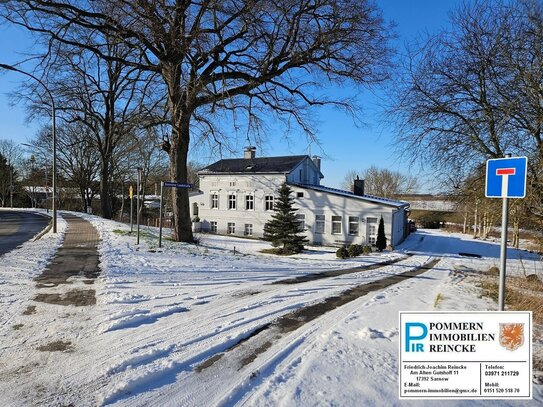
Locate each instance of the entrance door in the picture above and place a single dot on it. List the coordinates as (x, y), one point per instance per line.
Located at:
(371, 231)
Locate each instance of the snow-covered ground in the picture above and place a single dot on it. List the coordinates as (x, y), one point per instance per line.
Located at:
(167, 321)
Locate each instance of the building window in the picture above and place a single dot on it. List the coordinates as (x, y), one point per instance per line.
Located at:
(213, 227)
(232, 201)
(214, 201)
(268, 200)
(353, 225)
(336, 225)
(232, 183)
(301, 221)
(319, 223)
(249, 202)
(299, 194)
(231, 229)
(248, 229)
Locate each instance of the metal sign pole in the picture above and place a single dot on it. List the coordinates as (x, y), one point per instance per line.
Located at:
(160, 215)
(505, 178)
(138, 208)
(131, 208)
(503, 254)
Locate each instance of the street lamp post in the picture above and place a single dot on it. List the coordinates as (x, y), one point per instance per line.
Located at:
(53, 116)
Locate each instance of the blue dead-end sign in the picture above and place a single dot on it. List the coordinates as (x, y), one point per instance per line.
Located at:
(506, 177)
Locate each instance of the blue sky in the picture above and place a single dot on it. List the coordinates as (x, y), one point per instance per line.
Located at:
(345, 145)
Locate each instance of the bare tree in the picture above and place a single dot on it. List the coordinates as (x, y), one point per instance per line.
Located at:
(103, 96)
(215, 55)
(5, 177)
(382, 182)
(449, 108)
(474, 92)
(12, 154)
(77, 155)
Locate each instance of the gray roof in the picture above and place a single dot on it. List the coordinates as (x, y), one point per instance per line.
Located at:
(349, 194)
(256, 165)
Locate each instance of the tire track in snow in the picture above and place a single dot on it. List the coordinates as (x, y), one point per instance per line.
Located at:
(340, 272)
(296, 319)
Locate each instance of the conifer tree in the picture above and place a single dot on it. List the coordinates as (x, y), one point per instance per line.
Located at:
(381, 242)
(283, 229)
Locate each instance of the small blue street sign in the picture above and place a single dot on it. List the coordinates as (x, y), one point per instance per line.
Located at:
(170, 184)
(506, 177)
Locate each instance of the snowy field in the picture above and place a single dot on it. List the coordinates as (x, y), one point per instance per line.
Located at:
(190, 325)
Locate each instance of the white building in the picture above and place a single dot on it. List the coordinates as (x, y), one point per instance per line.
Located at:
(237, 197)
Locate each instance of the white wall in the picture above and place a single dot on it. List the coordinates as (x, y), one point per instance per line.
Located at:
(328, 204)
(239, 185)
(305, 173)
(311, 204)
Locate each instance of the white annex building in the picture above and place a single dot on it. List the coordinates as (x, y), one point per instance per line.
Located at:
(237, 197)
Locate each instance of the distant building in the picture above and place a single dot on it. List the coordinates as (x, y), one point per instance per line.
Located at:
(237, 197)
(428, 202)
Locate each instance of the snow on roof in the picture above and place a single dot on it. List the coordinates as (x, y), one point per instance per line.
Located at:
(349, 194)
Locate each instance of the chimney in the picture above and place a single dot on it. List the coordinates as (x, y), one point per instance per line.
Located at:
(358, 187)
(249, 152)
(317, 161)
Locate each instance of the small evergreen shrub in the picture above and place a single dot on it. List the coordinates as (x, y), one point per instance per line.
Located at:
(354, 250)
(366, 250)
(381, 237)
(342, 253)
(283, 229)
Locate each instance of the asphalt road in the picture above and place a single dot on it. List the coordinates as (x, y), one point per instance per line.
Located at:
(18, 227)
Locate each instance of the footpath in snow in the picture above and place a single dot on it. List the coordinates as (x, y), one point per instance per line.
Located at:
(198, 325)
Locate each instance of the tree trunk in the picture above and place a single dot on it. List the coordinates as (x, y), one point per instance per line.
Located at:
(181, 228)
(178, 104)
(105, 190)
(486, 225)
(475, 220)
(122, 202)
(516, 234)
(83, 195)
